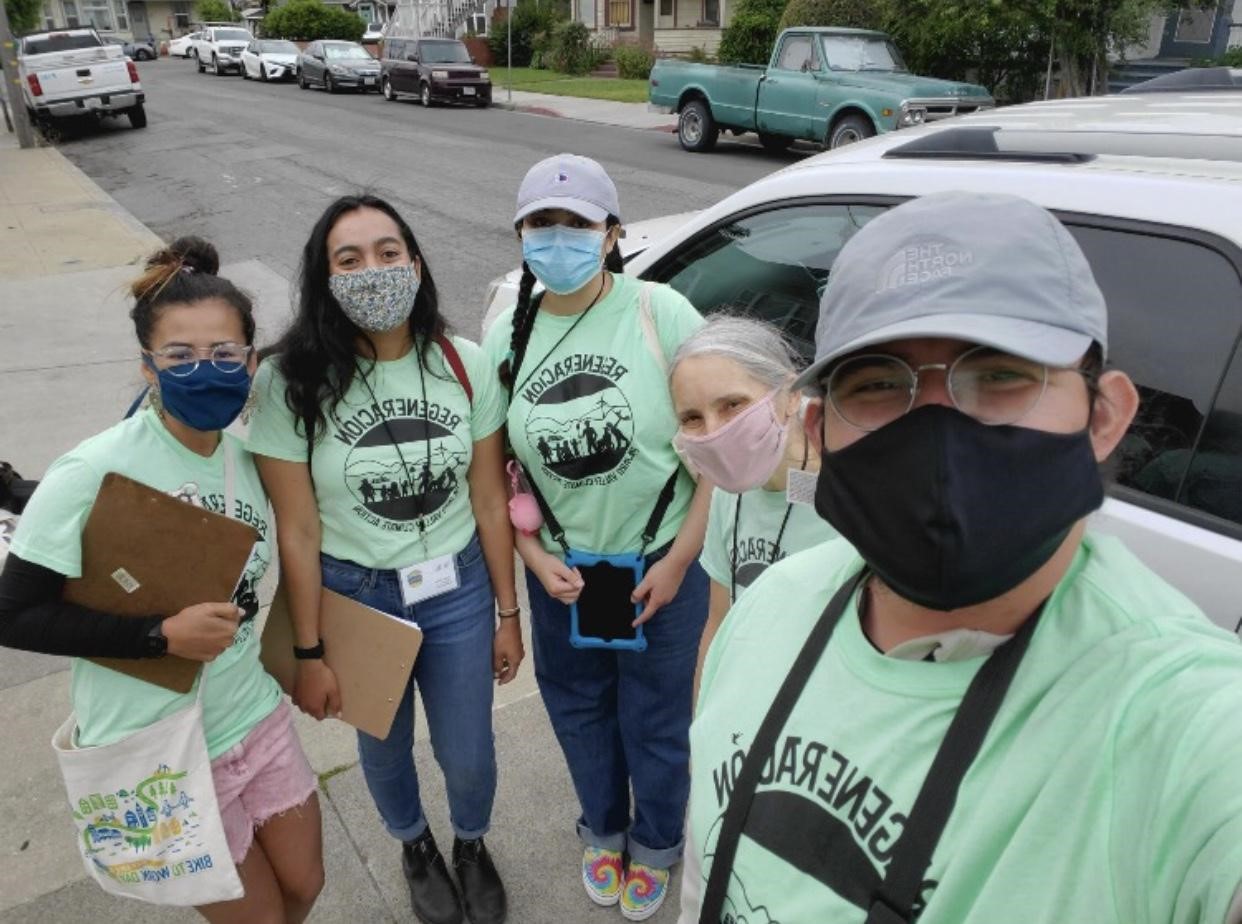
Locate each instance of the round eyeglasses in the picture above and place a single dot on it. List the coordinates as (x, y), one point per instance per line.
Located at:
(182, 360)
(873, 390)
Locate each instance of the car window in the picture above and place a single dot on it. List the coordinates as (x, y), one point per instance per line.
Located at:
(444, 53)
(1175, 319)
(59, 41)
(394, 50)
(772, 265)
(282, 48)
(232, 35)
(344, 52)
(796, 53)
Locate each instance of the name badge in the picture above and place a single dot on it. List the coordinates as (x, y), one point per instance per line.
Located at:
(428, 579)
(800, 488)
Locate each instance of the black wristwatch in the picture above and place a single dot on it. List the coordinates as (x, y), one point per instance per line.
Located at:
(309, 654)
(157, 644)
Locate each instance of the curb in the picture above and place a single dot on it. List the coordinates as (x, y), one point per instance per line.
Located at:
(124, 215)
(552, 113)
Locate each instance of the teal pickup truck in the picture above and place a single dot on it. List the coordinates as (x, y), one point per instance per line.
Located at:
(829, 85)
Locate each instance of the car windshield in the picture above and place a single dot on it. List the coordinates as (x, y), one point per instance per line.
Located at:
(345, 52)
(232, 35)
(60, 41)
(861, 53)
(280, 48)
(444, 53)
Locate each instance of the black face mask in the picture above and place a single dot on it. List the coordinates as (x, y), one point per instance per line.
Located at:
(950, 512)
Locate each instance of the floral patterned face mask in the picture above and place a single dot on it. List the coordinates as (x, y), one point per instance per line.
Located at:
(376, 299)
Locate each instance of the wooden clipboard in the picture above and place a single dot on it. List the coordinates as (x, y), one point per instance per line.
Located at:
(370, 652)
(147, 553)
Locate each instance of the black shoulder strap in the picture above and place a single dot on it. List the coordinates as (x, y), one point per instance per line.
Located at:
(763, 745)
(896, 898)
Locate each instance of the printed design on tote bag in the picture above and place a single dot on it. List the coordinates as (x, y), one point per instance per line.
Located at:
(580, 425)
(149, 833)
(819, 812)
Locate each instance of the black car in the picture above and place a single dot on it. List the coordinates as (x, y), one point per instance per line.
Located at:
(436, 70)
(337, 65)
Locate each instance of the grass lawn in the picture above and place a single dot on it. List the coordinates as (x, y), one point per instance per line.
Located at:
(542, 81)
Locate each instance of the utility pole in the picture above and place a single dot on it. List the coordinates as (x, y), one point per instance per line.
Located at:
(13, 83)
(508, 56)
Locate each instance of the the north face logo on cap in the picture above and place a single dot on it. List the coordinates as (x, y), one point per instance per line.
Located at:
(562, 178)
(913, 266)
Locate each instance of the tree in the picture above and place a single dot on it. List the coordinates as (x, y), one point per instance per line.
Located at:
(308, 20)
(857, 14)
(24, 15)
(216, 11)
(533, 24)
(749, 37)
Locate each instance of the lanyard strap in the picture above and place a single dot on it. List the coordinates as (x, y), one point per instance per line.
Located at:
(780, 534)
(516, 361)
(894, 902)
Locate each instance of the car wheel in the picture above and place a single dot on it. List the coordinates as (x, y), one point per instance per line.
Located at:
(696, 129)
(424, 95)
(215, 66)
(849, 129)
(328, 83)
(386, 88)
(137, 116)
(199, 62)
(245, 71)
(774, 144)
(302, 80)
(483, 103)
(262, 72)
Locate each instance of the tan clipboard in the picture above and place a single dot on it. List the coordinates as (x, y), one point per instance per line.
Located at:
(147, 553)
(370, 652)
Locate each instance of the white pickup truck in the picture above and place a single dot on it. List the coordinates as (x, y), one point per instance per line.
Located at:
(72, 72)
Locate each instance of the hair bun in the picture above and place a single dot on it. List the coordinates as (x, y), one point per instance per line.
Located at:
(195, 254)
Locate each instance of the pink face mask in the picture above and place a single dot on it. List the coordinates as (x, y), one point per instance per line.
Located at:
(742, 454)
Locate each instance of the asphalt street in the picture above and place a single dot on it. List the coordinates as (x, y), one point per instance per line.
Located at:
(251, 165)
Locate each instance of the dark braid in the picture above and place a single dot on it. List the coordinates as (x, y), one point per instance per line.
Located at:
(523, 323)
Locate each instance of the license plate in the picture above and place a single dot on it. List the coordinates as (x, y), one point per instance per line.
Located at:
(369, 81)
(467, 91)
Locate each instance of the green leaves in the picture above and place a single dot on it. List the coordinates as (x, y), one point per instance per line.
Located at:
(308, 20)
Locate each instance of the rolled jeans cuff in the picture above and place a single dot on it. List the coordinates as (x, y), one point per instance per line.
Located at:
(603, 842)
(663, 858)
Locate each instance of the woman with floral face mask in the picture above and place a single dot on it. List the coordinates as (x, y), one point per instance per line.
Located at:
(740, 425)
(379, 439)
(196, 333)
(591, 422)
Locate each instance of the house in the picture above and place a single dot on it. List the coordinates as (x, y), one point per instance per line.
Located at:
(125, 19)
(666, 26)
(1175, 39)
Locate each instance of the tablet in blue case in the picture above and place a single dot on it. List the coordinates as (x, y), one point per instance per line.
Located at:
(603, 615)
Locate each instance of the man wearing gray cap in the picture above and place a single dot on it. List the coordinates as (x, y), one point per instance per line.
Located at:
(968, 709)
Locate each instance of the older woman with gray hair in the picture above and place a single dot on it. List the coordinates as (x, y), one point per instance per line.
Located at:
(740, 425)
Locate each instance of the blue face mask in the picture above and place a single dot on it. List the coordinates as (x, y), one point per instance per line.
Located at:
(563, 259)
(206, 399)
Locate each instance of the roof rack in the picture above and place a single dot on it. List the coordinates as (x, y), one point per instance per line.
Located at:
(977, 143)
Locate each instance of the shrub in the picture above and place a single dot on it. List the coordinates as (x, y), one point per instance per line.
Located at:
(698, 55)
(216, 11)
(633, 62)
(749, 37)
(308, 20)
(858, 14)
(533, 24)
(571, 51)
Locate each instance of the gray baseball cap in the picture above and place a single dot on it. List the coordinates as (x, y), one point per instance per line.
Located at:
(567, 181)
(992, 269)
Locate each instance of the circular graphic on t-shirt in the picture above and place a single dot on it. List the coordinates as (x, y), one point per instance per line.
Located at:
(417, 481)
(581, 428)
(748, 572)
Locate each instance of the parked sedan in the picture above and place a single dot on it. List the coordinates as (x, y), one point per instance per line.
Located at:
(137, 50)
(337, 65)
(269, 59)
(181, 47)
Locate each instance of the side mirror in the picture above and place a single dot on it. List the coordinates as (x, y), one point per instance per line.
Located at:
(413, 59)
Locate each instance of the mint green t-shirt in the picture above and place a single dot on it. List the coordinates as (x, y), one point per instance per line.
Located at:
(1107, 789)
(386, 505)
(759, 522)
(111, 705)
(593, 422)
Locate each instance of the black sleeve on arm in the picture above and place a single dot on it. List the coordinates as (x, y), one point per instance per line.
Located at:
(33, 617)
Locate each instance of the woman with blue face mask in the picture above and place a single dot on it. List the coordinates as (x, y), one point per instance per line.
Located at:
(379, 437)
(195, 331)
(592, 424)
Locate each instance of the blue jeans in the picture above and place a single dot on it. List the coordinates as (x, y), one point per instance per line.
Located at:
(623, 720)
(454, 675)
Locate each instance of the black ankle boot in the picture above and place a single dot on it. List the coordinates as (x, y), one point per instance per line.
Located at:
(432, 894)
(482, 892)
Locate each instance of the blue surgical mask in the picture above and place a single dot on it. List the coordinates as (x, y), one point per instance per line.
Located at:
(563, 259)
(206, 399)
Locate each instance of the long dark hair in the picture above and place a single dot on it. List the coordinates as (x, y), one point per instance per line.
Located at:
(317, 355)
(528, 308)
(183, 273)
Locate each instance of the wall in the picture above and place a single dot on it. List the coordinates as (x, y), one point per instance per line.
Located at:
(682, 41)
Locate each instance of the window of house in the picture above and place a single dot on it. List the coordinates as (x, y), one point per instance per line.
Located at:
(71, 14)
(711, 12)
(98, 13)
(49, 18)
(666, 7)
(122, 15)
(620, 13)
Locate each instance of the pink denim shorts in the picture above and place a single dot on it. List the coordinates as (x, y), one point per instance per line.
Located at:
(265, 774)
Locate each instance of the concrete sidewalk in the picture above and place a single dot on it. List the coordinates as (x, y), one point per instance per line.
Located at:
(600, 111)
(68, 369)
